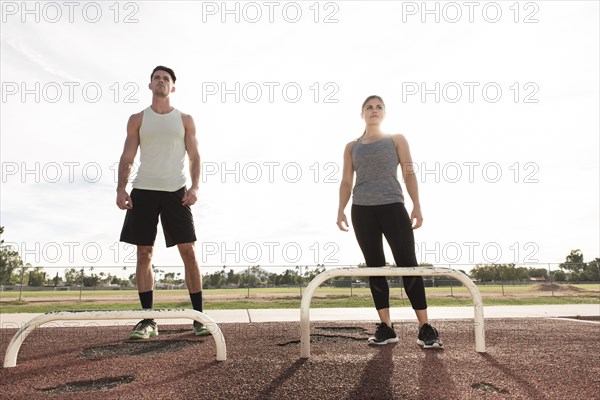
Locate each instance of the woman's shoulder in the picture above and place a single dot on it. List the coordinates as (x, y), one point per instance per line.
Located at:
(399, 139)
(397, 136)
(351, 144)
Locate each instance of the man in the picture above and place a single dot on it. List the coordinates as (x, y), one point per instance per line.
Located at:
(164, 135)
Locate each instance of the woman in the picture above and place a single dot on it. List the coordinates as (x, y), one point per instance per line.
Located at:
(378, 209)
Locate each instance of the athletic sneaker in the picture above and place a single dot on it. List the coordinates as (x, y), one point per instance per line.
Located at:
(429, 337)
(383, 335)
(144, 329)
(200, 329)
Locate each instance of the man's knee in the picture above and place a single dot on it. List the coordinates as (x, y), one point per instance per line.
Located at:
(144, 253)
(187, 251)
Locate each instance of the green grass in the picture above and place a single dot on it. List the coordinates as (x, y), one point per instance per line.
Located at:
(74, 294)
(588, 286)
(293, 303)
(329, 297)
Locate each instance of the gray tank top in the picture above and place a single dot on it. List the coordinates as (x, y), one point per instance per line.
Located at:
(376, 166)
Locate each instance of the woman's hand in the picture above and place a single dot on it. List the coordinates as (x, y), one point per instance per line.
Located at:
(341, 221)
(416, 218)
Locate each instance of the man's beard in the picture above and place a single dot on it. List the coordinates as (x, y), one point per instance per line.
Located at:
(160, 92)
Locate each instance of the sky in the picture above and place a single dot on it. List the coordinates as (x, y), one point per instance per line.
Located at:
(498, 100)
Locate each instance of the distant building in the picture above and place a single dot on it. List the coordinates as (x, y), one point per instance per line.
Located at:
(537, 279)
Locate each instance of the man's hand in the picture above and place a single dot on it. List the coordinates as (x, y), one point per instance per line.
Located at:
(123, 200)
(190, 197)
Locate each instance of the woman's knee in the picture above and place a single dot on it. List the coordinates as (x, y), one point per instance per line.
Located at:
(379, 283)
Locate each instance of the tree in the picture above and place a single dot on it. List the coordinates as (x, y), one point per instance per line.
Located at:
(575, 276)
(537, 272)
(37, 277)
(499, 272)
(157, 272)
(72, 277)
(520, 273)
(310, 275)
(578, 270)
(299, 274)
(559, 276)
(10, 260)
(485, 273)
(169, 277)
(260, 274)
(573, 262)
(232, 278)
(273, 279)
(592, 270)
(56, 280)
(247, 279)
(214, 280)
(289, 277)
(115, 280)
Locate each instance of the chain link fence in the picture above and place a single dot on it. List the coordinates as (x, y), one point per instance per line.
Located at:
(97, 283)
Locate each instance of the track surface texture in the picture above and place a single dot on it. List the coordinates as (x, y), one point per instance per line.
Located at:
(525, 359)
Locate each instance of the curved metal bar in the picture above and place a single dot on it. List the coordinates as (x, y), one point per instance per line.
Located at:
(10, 357)
(388, 271)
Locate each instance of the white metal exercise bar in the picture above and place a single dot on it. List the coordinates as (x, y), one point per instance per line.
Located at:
(10, 357)
(388, 271)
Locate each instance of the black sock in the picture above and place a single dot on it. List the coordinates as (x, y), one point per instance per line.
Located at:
(196, 301)
(146, 299)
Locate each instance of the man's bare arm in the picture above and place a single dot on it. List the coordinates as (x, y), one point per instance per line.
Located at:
(191, 147)
(132, 142)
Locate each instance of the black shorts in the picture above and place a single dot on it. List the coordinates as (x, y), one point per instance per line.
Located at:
(141, 221)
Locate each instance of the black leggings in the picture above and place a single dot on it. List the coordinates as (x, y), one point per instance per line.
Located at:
(391, 220)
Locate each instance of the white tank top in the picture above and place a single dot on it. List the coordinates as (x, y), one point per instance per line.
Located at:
(162, 152)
